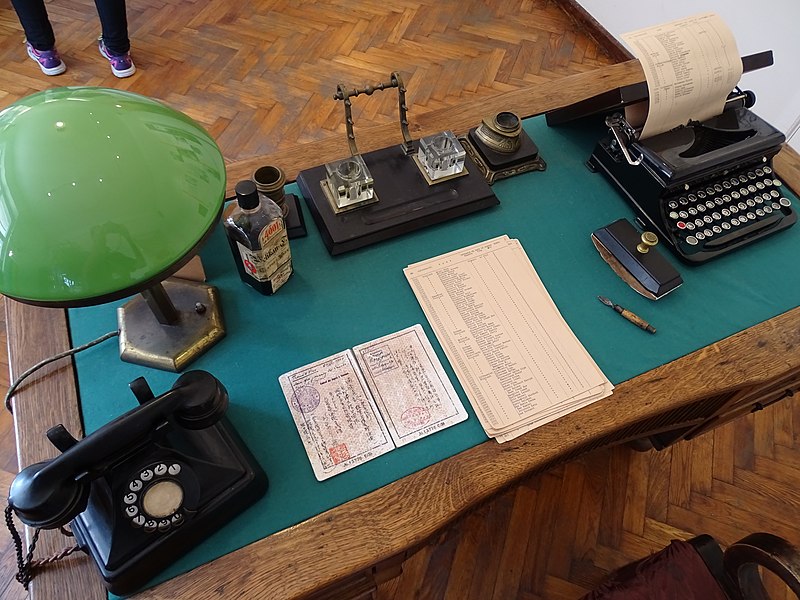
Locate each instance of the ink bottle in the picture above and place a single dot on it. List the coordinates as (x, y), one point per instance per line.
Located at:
(257, 236)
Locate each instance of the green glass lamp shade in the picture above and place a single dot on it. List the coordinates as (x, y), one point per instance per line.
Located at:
(103, 193)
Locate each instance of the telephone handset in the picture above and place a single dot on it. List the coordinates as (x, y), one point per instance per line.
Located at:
(144, 488)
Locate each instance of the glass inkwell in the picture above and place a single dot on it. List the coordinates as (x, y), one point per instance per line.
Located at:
(440, 157)
(349, 184)
(367, 198)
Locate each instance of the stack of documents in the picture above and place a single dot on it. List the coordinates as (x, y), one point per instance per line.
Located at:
(515, 356)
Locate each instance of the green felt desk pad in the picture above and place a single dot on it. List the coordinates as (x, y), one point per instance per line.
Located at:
(333, 303)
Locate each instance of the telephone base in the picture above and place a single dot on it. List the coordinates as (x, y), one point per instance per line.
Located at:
(219, 478)
(407, 201)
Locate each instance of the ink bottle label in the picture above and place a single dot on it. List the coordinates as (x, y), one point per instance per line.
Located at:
(258, 239)
(273, 259)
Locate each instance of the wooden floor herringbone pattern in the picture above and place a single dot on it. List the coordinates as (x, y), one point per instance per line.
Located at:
(556, 535)
(261, 73)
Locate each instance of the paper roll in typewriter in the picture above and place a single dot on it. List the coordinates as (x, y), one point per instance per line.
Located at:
(692, 159)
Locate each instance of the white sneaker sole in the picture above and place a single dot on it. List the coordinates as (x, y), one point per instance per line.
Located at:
(125, 72)
(52, 71)
(117, 73)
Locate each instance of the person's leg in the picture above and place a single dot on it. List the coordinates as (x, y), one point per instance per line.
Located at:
(33, 17)
(40, 41)
(114, 43)
(114, 23)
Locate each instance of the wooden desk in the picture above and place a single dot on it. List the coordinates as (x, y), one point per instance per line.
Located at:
(350, 546)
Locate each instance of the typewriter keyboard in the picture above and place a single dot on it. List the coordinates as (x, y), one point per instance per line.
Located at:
(728, 211)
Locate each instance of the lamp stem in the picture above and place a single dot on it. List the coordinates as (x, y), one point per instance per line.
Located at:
(161, 305)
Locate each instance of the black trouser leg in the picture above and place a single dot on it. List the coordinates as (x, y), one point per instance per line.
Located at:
(114, 22)
(33, 16)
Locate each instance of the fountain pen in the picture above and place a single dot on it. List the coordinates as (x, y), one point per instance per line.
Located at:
(632, 317)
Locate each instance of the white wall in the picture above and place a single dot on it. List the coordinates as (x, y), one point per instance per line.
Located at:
(761, 25)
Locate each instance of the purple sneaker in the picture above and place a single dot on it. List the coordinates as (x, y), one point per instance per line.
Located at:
(122, 65)
(49, 60)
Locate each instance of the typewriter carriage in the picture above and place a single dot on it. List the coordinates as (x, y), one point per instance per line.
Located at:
(706, 188)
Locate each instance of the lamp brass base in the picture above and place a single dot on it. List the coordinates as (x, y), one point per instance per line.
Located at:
(145, 341)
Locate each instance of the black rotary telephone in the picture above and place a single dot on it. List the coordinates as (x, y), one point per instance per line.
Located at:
(146, 487)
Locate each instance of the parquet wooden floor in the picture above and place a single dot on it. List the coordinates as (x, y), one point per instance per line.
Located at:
(557, 534)
(258, 74)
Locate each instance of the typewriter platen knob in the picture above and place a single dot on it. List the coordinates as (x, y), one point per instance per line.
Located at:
(649, 239)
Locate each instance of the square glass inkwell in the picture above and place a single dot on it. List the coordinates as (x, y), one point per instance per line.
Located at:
(441, 157)
(373, 196)
(348, 184)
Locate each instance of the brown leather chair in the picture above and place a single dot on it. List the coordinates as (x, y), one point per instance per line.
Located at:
(699, 569)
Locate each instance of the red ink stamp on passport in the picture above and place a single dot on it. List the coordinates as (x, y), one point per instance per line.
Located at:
(415, 417)
(339, 453)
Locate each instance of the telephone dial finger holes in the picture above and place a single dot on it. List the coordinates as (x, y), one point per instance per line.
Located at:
(155, 498)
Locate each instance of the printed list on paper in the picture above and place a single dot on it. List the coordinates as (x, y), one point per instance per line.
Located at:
(515, 356)
(690, 65)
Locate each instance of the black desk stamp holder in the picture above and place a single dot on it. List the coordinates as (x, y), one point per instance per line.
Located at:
(631, 255)
(501, 148)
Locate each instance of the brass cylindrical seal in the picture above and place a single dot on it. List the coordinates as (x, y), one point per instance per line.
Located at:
(270, 180)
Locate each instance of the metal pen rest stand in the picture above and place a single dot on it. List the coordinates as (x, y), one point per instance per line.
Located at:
(367, 198)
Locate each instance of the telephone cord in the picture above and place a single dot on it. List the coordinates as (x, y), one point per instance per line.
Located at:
(25, 563)
(26, 566)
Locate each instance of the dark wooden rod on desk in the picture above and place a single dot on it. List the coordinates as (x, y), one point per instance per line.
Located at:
(617, 98)
(399, 517)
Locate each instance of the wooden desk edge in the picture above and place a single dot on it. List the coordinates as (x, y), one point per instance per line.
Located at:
(390, 520)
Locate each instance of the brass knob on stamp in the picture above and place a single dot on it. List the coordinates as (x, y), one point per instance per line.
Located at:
(649, 239)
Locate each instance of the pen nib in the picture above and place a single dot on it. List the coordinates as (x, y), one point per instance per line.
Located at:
(605, 301)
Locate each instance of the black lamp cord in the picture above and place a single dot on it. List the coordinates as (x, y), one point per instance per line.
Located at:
(26, 566)
(13, 387)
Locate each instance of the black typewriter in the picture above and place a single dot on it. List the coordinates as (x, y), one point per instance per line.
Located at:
(707, 187)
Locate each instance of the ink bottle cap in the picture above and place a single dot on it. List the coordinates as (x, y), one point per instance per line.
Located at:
(247, 194)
